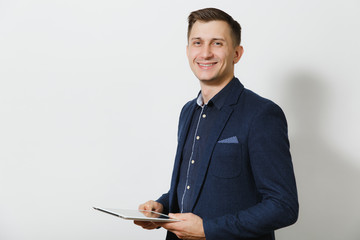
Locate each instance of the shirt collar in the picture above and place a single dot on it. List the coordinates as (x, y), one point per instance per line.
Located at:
(199, 100)
(219, 99)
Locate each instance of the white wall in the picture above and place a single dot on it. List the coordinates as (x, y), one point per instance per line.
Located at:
(90, 93)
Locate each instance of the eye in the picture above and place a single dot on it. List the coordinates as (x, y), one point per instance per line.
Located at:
(217, 43)
(196, 43)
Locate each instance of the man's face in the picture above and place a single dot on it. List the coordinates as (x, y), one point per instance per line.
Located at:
(211, 52)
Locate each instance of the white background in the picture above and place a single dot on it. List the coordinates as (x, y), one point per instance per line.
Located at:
(90, 94)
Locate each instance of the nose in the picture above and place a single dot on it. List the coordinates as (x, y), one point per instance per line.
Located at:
(206, 52)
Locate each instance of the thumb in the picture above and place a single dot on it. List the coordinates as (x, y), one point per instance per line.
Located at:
(177, 216)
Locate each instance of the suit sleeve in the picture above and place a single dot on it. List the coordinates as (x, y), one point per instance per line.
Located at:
(274, 178)
(164, 200)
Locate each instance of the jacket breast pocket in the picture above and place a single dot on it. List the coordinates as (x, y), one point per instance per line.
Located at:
(226, 160)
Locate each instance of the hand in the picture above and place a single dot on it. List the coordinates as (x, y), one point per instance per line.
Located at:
(190, 227)
(150, 206)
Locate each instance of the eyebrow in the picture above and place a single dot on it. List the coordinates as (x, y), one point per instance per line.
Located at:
(213, 39)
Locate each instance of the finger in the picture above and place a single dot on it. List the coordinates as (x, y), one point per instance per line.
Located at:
(145, 206)
(173, 215)
(146, 225)
(170, 226)
(140, 223)
(178, 216)
(150, 206)
(141, 206)
(152, 225)
(149, 227)
(164, 225)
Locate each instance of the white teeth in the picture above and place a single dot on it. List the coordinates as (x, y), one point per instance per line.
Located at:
(206, 65)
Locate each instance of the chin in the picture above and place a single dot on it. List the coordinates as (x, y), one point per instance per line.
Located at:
(205, 78)
(209, 81)
(202, 79)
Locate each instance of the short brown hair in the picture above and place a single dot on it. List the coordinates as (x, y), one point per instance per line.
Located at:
(212, 14)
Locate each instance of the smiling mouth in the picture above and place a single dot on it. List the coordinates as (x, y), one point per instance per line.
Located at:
(206, 65)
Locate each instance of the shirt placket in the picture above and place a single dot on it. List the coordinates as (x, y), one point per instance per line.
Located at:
(194, 156)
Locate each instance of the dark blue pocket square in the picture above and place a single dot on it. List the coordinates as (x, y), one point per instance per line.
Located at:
(229, 140)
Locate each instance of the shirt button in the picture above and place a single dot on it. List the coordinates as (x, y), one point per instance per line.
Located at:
(204, 115)
(188, 187)
(193, 161)
(198, 137)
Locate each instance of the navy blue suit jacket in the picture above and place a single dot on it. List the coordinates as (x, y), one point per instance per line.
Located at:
(245, 190)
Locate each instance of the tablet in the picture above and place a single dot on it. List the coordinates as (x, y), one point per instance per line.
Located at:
(138, 215)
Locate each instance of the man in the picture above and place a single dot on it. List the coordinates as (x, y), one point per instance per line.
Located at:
(233, 176)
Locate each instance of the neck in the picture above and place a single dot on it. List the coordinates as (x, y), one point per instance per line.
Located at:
(209, 90)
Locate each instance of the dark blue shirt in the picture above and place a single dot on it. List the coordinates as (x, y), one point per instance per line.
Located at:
(201, 124)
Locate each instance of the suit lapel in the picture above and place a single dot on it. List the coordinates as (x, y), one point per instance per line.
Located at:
(225, 114)
(184, 125)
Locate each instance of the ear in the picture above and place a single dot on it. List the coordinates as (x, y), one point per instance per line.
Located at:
(187, 50)
(239, 50)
